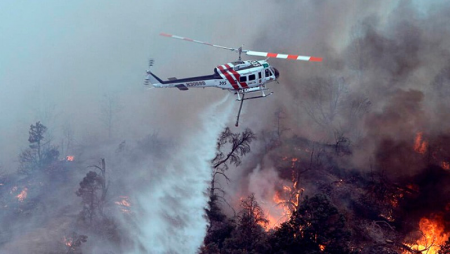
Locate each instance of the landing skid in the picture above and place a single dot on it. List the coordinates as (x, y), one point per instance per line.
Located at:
(241, 97)
(256, 97)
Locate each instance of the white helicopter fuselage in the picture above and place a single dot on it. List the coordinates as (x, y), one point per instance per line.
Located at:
(244, 76)
(240, 77)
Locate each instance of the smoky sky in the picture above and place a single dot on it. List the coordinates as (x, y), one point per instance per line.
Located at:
(62, 62)
(59, 60)
(390, 58)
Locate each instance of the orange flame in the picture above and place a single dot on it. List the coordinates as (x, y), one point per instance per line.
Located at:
(322, 247)
(285, 199)
(70, 158)
(22, 195)
(445, 165)
(124, 204)
(280, 208)
(420, 145)
(433, 236)
(67, 242)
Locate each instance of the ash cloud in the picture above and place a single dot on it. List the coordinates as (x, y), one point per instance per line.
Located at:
(384, 79)
(385, 63)
(65, 64)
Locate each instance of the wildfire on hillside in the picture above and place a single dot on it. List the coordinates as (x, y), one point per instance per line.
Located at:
(124, 204)
(22, 195)
(432, 236)
(279, 209)
(420, 145)
(285, 199)
(70, 158)
(67, 241)
(322, 247)
(439, 155)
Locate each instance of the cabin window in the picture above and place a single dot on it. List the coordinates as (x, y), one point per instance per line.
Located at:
(243, 79)
(252, 77)
(259, 75)
(267, 73)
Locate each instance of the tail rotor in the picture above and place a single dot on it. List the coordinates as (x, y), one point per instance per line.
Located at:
(151, 61)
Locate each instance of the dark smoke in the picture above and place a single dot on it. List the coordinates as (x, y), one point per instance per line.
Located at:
(384, 79)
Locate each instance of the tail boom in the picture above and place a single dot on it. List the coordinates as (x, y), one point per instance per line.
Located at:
(183, 84)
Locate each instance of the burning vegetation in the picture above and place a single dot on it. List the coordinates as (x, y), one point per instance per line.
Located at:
(317, 206)
(431, 236)
(358, 160)
(22, 195)
(371, 174)
(44, 189)
(124, 204)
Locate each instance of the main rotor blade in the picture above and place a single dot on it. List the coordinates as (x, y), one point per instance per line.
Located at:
(283, 56)
(196, 41)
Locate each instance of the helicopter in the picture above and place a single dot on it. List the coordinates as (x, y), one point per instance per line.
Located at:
(239, 77)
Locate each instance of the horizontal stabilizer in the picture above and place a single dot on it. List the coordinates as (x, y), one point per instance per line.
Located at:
(182, 87)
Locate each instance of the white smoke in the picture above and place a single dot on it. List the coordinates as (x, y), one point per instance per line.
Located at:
(173, 218)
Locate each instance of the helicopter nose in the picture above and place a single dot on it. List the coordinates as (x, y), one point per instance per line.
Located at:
(277, 73)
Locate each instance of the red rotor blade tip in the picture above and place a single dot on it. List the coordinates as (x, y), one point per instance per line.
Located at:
(315, 59)
(164, 34)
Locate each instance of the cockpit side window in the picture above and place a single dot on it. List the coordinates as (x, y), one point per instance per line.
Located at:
(267, 73)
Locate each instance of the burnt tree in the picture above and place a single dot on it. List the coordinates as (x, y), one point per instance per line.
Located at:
(220, 226)
(40, 153)
(93, 191)
(239, 146)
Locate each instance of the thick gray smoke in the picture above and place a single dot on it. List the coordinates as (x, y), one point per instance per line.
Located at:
(79, 69)
(382, 81)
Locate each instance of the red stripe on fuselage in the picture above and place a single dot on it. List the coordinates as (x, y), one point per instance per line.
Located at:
(228, 76)
(236, 76)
